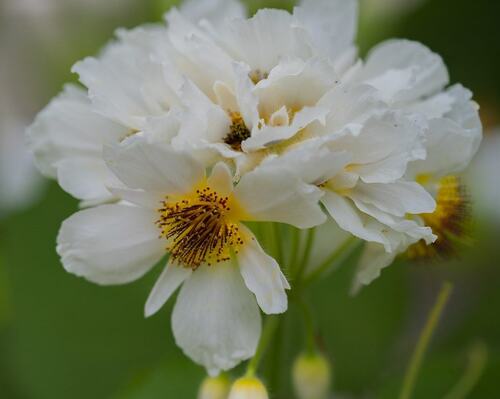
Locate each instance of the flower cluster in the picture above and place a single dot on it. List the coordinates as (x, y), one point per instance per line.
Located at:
(186, 132)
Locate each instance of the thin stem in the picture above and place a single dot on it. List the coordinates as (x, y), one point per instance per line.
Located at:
(308, 325)
(270, 239)
(265, 339)
(340, 254)
(478, 357)
(294, 253)
(304, 262)
(417, 358)
(278, 242)
(274, 361)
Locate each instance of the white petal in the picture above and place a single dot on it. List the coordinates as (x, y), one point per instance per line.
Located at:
(221, 179)
(397, 199)
(404, 71)
(154, 167)
(144, 199)
(248, 101)
(296, 84)
(276, 194)
(263, 276)
(87, 179)
(453, 138)
(263, 40)
(353, 221)
(350, 104)
(312, 160)
(271, 135)
(204, 121)
(110, 244)
(124, 83)
(170, 279)
(68, 128)
(216, 320)
(197, 55)
(371, 264)
(382, 137)
(330, 24)
(215, 11)
(402, 230)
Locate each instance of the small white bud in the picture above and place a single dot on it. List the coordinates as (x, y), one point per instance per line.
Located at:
(214, 388)
(248, 388)
(312, 376)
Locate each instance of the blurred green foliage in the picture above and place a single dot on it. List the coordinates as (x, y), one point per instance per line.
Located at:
(62, 337)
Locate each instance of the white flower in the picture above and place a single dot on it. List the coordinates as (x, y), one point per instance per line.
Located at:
(215, 120)
(216, 258)
(452, 135)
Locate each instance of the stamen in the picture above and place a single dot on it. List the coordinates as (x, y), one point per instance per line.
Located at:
(199, 230)
(257, 75)
(449, 221)
(238, 132)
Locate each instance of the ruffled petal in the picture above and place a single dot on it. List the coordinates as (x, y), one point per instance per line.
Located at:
(214, 11)
(343, 211)
(398, 199)
(67, 138)
(124, 83)
(454, 137)
(404, 71)
(331, 25)
(276, 194)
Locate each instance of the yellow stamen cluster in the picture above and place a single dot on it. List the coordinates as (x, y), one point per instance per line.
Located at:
(448, 222)
(199, 230)
(238, 132)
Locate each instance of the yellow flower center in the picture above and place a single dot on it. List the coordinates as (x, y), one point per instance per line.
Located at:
(201, 227)
(238, 132)
(448, 221)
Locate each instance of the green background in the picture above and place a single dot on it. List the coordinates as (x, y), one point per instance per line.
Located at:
(62, 337)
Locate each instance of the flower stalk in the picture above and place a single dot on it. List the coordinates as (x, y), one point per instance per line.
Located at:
(417, 358)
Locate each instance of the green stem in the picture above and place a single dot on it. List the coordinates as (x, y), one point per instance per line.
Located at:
(308, 325)
(275, 352)
(478, 357)
(278, 242)
(270, 239)
(294, 253)
(339, 255)
(270, 326)
(417, 358)
(311, 235)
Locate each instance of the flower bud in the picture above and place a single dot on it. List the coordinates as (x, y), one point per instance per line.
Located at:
(311, 376)
(248, 388)
(214, 388)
